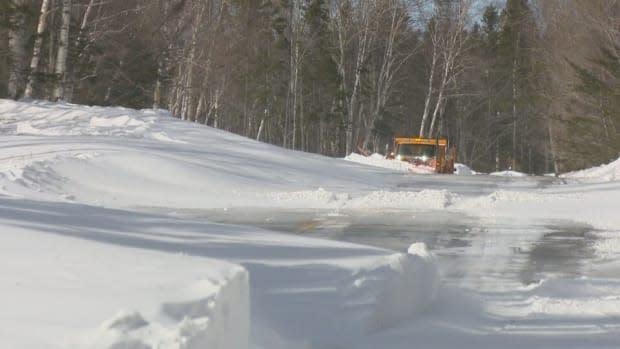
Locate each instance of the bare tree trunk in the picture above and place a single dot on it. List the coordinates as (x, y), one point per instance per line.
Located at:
(163, 58)
(389, 66)
(177, 93)
(202, 101)
(429, 93)
(349, 101)
(447, 38)
(260, 129)
(453, 42)
(363, 43)
(295, 96)
(342, 40)
(514, 107)
(440, 98)
(216, 105)
(51, 53)
(552, 148)
(290, 121)
(497, 159)
(115, 78)
(440, 102)
(17, 49)
(295, 79)
(188, 88)
(158, 84)
(89, 9)
(79, 47)
(302, 125)
(63, 48)
(36, 51)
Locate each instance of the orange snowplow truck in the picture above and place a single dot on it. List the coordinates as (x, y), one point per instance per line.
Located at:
(429, 154)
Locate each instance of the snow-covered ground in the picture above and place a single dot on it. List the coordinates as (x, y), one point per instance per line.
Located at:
(98, 249)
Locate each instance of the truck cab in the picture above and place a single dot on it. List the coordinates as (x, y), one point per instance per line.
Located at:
(431, 154)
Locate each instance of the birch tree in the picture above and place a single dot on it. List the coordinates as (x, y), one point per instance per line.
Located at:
(433, 32)
(63, 51)
(17, 42)
(79, 47)
(36, 51)
(196, 90)
(352, 25)
(391, 17)
(448, 39)
(294, 30)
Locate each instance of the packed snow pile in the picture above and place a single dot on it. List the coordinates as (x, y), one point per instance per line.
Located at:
(604, 173)
(508, 173)
(200, 318)
(379, 160)
(424, 199)
(463, 170)
(397, 288)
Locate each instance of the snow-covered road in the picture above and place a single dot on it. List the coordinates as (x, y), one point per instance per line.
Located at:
(131, 229)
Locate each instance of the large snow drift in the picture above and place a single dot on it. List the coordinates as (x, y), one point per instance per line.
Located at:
(61, 291)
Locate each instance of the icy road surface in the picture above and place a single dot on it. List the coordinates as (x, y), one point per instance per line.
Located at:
(508, 266)
(535, 251)
(530, 250)
(502, 271)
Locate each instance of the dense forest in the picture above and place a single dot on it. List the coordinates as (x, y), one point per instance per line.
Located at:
(528, 85)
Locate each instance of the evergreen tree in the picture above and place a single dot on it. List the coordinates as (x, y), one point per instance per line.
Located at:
(519, 104)
(320, 80)
(599, 88)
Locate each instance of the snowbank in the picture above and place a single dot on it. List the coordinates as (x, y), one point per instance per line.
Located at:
(597, 206)
(200, 318)
(41, 118)
(57, 292)
(508, 174)
(378, 160)
(426, 199)
(463, 170)
(604, 173)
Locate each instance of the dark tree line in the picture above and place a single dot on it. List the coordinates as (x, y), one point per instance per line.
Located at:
(532, 85)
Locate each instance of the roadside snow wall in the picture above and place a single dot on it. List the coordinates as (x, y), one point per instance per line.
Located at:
(397, 288)
(199, 318)
(78, 293)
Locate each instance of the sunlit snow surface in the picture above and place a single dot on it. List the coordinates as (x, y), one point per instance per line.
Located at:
(109, 239)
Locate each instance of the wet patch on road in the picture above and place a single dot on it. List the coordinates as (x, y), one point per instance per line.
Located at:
(465, 247)
(564, 251)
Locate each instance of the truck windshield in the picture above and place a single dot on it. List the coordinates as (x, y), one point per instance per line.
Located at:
(416, 150)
